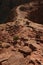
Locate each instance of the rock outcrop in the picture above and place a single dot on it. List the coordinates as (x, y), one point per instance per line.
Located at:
(21, 41)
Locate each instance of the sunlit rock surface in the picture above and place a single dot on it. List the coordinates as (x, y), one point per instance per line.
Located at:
(21, 40)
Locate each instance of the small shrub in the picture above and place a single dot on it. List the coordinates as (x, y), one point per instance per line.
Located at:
(15, 38)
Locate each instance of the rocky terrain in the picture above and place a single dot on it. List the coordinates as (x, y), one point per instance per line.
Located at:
(21, 40)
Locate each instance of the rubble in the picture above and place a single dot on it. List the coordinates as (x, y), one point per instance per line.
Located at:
(21, 41)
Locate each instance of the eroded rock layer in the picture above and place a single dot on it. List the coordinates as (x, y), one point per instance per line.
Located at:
(21, 41)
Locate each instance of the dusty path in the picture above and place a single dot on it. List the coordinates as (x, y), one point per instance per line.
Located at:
(23, 14)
